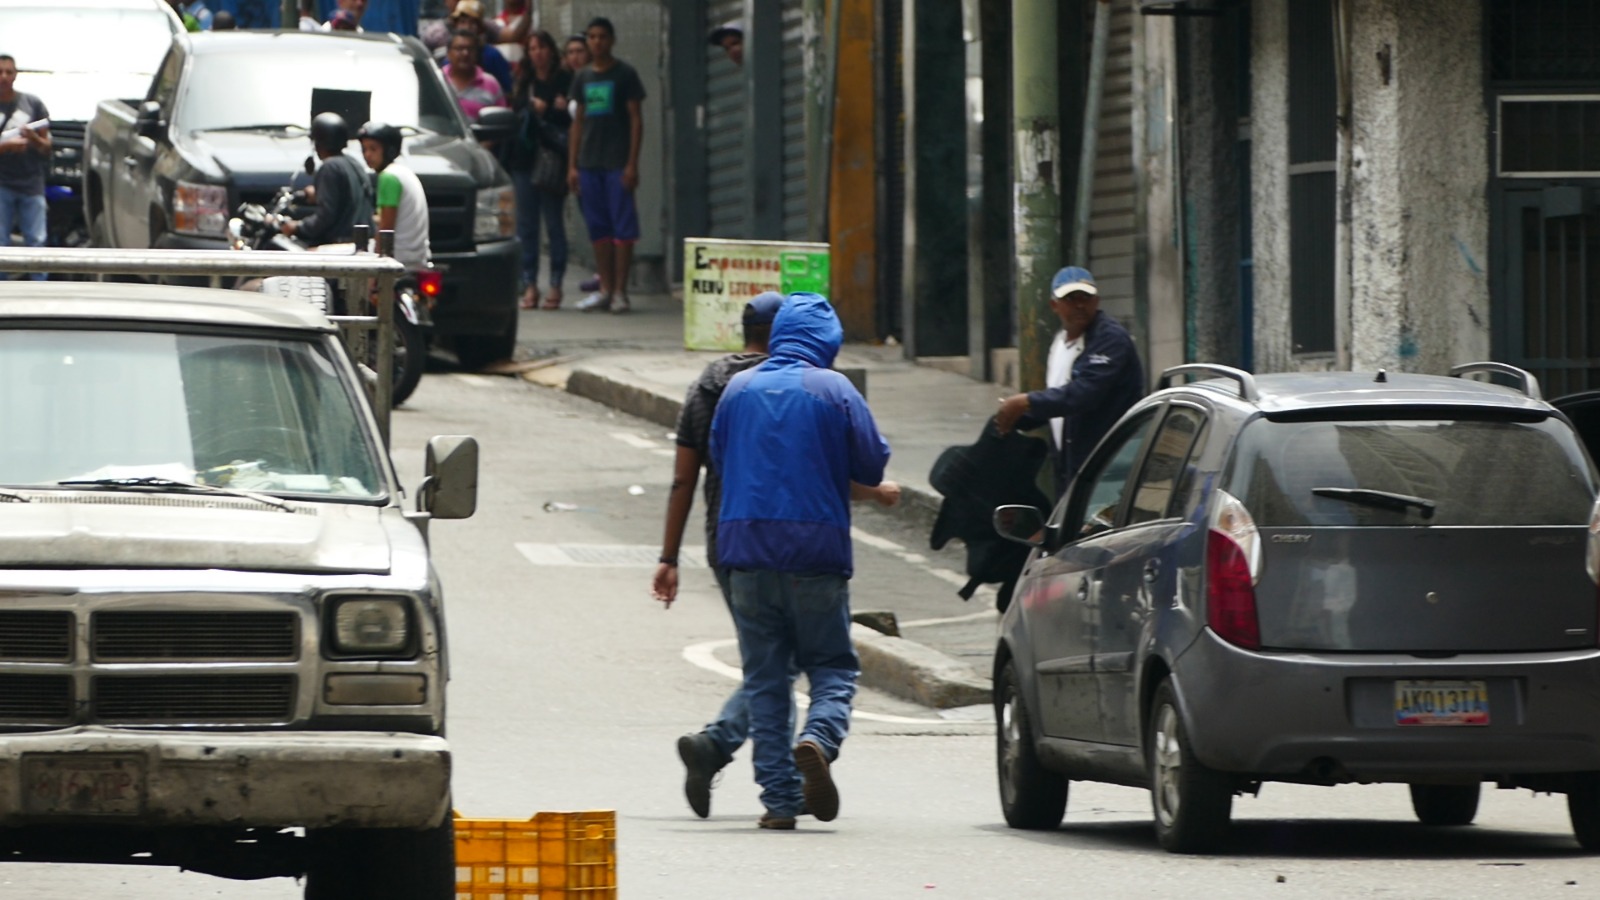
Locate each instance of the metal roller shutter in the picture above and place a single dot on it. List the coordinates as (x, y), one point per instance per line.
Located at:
(724, 130)
(794, 121)
(1112, 222)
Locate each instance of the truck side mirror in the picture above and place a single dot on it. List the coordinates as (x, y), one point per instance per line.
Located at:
(450, 486)
(148, 122)
(494, 123)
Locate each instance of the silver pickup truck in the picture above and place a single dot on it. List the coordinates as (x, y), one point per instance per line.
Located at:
(221, 637)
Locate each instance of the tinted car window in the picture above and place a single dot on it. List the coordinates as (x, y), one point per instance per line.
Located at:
(1474, 471)
(278, 84)
(1164, 468)
(1097, 493)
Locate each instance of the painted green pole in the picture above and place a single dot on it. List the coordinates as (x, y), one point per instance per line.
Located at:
(1036, 111)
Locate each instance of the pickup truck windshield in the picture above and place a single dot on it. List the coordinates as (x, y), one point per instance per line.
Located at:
(248, 413)
(63, 38)
(1418, 472)
(247, 88)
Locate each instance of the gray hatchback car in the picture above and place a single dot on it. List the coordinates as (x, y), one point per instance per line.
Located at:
(1317, 578)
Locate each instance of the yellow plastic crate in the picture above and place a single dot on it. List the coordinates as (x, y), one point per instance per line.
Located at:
(552, 856)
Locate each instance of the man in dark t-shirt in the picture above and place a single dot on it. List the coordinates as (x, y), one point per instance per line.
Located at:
(603, 163)
(24, 158)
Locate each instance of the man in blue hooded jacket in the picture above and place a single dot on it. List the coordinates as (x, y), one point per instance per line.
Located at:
(789, 437)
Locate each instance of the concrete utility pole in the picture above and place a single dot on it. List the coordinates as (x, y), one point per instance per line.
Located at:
(817, 59)
(1037, 116)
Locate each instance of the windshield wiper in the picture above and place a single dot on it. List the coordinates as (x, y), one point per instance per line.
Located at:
(1382, 499)
(289, 127)
(157, 482)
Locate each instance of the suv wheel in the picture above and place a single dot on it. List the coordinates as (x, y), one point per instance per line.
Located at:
(383, 864)
(1583, 805)
(1192, 804)
(1445, 804)
(1030, 795)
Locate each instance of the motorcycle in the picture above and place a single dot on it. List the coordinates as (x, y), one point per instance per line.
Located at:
(255, 227)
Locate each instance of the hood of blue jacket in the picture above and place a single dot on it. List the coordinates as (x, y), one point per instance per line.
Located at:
(807, 329)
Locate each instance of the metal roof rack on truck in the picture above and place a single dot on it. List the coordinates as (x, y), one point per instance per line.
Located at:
(1530, 384)
(1246, 381)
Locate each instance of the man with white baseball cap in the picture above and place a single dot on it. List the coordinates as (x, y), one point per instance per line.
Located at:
(1092, 377)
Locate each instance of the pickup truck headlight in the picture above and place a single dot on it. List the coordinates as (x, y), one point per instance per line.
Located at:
(200, 209)
(371, 626)
(497, 214)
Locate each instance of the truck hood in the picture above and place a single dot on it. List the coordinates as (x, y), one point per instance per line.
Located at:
(73, 96)
(327, 538)
(258, 161)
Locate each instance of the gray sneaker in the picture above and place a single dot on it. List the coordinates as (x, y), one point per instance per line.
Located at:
(595, 302)
(620, 305)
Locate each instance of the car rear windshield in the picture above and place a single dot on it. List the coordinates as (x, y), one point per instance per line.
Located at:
(252, 413)
(1412, 471)
(270, 86)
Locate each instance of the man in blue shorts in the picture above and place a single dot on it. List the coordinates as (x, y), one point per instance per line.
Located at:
(603, 162)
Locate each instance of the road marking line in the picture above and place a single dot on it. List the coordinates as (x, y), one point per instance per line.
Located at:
(990, 613)
(633, 440)
(703, 655)
(878, 543)
(662, 451)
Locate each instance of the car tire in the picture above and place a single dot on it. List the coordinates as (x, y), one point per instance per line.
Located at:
(1583, 806)
(1445, 805)
(1192, 804)
(383, 864)
(475, 351)
(1031, 796)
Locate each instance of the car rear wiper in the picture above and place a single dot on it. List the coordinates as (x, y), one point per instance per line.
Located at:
(171, 484)
(267, 127)
(1383, 499)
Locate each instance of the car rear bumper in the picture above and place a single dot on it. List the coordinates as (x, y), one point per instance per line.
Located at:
(1332, 717)
(479, 292)
(317, 779)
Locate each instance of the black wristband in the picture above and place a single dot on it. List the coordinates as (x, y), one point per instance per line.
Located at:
(669, 561)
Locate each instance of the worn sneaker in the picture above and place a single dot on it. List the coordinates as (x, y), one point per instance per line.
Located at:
(822, 798)
(620, 305)
(776, 823)
(701, 764)
(595, 302)
(592, 283)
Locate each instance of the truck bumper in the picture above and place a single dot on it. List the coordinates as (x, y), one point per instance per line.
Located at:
(479, 293)
(101, 776)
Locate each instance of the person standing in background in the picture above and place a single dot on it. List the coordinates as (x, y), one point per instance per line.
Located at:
(603, 162)
(25, 147)
(730, 37)
(474, 88)
(540, 98)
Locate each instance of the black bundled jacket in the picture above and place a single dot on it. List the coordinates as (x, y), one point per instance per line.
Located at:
(1107, 379)
(344, 200)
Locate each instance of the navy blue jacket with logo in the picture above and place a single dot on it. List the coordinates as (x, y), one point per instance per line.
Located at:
(1107, 379)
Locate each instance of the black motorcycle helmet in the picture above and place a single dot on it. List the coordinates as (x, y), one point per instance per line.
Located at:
(387, 136)
(329, 133)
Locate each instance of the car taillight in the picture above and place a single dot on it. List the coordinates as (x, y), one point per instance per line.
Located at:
(1233, 564)
(1592, 555)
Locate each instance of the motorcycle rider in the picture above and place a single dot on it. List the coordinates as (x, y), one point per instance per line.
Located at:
(401, 204)
(341, 191)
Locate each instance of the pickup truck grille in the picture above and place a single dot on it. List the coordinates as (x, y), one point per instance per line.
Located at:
(36, 698)
(193, 698)
(450, 221)
(30, 635)
(150, 636)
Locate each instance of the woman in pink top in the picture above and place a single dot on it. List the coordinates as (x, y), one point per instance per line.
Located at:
(474, 88)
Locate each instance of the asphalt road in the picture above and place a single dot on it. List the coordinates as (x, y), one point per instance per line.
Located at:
(570, 686)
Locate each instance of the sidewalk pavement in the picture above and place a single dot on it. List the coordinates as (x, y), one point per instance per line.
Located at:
(635, 363)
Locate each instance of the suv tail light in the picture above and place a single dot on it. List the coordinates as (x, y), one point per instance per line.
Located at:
(429, 281)
(1233, 564)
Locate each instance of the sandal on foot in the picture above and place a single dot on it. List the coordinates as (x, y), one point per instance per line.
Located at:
(552, 300)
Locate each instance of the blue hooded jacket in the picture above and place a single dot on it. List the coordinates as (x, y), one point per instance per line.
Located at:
(789, 436)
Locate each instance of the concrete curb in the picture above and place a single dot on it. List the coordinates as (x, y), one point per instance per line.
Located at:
(898, 666)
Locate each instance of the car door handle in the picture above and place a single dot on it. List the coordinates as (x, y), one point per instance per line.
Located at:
(1152, 571)
(130, 161)
(1083, 591)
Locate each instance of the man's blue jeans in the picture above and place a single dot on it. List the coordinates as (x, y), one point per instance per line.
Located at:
(732, 725)
(26, 213)
(787, 619)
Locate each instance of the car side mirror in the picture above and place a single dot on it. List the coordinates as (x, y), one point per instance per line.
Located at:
(494, 123)
(148, 122)
(450, 483)
(1021, 523)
